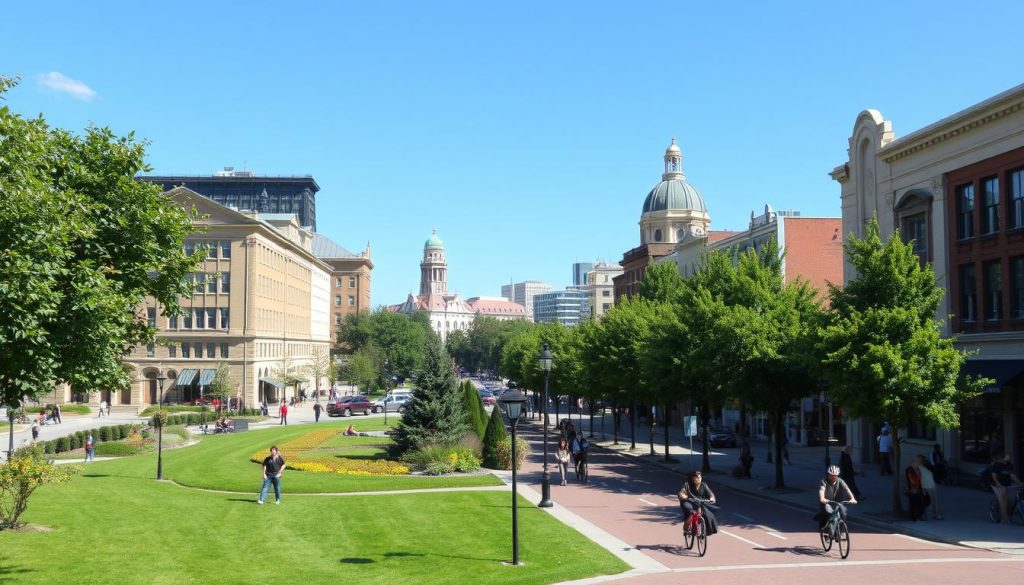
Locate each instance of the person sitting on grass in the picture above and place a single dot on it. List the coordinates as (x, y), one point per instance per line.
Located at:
(350, 432)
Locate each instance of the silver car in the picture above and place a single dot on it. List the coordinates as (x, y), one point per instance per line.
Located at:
(393, 403)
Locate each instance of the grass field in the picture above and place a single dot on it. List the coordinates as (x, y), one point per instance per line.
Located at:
(116, 525)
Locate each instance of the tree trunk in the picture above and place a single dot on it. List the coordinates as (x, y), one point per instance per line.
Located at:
(897, 471)
(705, 442)
(632, 426)
(616, 421)
(668, 458)
(777, 420)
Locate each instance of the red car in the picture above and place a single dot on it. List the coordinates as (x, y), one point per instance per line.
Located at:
(488, 398)
(348, 405)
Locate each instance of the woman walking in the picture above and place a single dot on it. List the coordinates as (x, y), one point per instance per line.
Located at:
(562, 455)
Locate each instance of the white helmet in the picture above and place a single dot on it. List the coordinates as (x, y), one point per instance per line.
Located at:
(833, 470)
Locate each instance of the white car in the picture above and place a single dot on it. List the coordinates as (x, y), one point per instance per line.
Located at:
(393, 403)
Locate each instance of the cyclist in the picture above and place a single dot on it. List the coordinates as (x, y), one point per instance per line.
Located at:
(1002, 478)
(578, 448)
(832, 489)
(695, 488)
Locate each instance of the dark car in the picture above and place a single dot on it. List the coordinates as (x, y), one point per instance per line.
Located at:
(348, 405)
(721, 437)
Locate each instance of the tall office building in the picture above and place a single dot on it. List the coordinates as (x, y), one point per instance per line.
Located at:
(567, 307)
(245, 191)
(523, 292)
(579, 272)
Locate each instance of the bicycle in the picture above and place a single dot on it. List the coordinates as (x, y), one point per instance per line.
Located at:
(1014, 508)
(582, 471)
(695, 528)
(835, 530)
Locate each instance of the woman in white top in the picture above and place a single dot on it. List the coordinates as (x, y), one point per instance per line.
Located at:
(562, 455)
(928, 485)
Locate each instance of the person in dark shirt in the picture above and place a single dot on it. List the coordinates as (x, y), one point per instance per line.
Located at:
(273, 469)
(316, 411)
(695, 489)
(847, 472)
(832, 489)
(1002, 478)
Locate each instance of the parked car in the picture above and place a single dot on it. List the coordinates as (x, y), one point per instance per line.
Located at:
(393, 403)
(721, 437)
(487, 397)
(348, 405)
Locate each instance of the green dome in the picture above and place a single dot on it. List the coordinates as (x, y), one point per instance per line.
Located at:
(433, 241)
(674, 194)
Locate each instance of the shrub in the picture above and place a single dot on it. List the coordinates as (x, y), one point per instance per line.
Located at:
(63, 444)
(178, 431)
(48, 447)
(438, 468)
(475, 412)
(492, 438)
(26, 471)
(119, 449)
(76, 442)
(505, 452)
(104, 435)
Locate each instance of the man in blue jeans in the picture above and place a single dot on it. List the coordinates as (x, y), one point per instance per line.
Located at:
(273, 468)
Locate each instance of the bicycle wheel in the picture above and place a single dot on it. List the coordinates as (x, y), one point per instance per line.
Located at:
(993, 510)
(1017, 513)
(688, 536)
(584, 471)
(843, 539)
(826, 536)
(702, 536)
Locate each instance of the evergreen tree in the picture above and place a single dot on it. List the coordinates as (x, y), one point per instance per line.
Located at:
(495, 434)
(436, 415)
(474, 409)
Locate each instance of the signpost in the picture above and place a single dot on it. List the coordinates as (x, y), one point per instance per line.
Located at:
(690, 430)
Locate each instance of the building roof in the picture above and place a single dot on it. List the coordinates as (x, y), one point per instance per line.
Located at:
(433, 241)
(324, 247)
(496, 306)
(674, 194)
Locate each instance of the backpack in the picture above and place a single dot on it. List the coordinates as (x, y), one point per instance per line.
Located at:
(584, 444)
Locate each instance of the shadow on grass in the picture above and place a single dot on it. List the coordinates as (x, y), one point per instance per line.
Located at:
(356, 561)
(8, 573)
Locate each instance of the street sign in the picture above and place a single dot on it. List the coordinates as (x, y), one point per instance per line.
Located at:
(689, 426)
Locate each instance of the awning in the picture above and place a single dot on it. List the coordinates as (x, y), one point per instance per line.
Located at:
(272, 382)
(206, 376)
(1002, 371)
(186, 376)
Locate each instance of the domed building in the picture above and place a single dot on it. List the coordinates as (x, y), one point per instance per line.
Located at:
(673, 212)
(450, 312)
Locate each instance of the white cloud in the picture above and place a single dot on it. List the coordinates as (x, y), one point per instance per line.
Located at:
(61, 83)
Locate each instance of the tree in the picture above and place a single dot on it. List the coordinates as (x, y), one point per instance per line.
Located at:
(394, 337)
(662, 283)
(83, 241)
(493, 437)
(474, 409)
(362, 367)
(319, 367)
(884, 354)
(222, 385)
(435, 416)
(26, 471)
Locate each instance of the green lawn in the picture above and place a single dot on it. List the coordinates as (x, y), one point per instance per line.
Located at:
(116, 525)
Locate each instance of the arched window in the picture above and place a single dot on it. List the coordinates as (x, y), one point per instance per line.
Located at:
(657, 235)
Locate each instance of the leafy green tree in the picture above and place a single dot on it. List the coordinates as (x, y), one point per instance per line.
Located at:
(19, 478)
(495, 434)
(395, 338)
(662, 283)
(318, 368)
(474, 409)
(362, 367)
(223, 385)
(436, 415)
(884, 355)
(82, 243)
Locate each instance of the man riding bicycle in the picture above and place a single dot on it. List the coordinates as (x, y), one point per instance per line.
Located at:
(832, 489)
(578, 447)
(695, 489)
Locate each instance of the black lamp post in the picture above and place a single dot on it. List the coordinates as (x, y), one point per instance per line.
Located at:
(160, 429)
(544, 361)
(514, 402)
(828, 432)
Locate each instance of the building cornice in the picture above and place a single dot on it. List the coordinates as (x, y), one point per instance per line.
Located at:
(1007, 103)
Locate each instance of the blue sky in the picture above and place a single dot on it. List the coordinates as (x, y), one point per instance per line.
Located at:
(528, 133)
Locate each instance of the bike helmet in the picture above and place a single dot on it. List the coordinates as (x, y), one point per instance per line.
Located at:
(833, 470)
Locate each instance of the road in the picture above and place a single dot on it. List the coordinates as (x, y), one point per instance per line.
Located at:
(759, 539)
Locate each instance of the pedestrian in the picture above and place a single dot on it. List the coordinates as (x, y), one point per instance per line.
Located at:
(316, 411)
(915, 492)
(940, 467)
(846, 471)
(562, 455)
(885, 449)
(283, 414)
(785, 449)
(109, 404)
(103, 406)
(90, 448)
(35, 431)
(41, 418)
(746, 459)
(929, 486)
(56, 413)
(273, 469)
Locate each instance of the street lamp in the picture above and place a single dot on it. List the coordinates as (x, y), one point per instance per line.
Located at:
(544, 361)
(161, 378)
(828, 433)
(513, 402)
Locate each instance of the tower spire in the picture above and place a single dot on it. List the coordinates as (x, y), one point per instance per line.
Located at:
(673, 162)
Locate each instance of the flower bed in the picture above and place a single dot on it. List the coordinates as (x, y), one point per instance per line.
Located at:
(297, 453)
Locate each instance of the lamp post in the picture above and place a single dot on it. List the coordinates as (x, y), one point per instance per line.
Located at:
(514, 401)
(160, 430)
(544, 361)
(828, 432)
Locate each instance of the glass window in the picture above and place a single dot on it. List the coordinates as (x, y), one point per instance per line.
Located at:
(187, 318)
(993, 290)
(200, 319)
(223, 350)
(211, 350)
(968, 294)
(225, 248)
(337, 282)
(224, 322)
(1017, 199)
(151, 350)
(914, 229)
(199, 350)
(200, 281)
(225, 282)
(190, 247)
(981, 429)
(990, 211)
(151, 316)
(172, 322)
(351, 282)
(337, 300)
(211, 318)
(351, 301)
(606, 293)
(186, 350)
(172, 351)
(337, 318)
(211, 284)
(1017, 287)
(965, 211)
